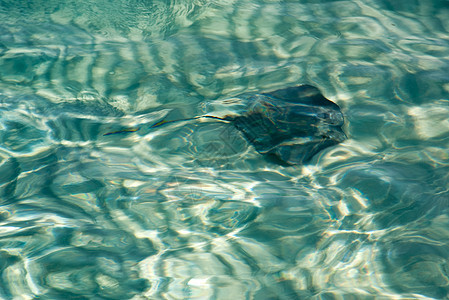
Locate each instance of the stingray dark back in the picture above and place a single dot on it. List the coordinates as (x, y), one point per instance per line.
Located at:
(291, 125)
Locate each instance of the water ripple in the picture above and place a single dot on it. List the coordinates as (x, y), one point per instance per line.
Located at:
(190, 210)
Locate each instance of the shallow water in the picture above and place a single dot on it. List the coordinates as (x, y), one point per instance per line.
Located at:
(190, 210)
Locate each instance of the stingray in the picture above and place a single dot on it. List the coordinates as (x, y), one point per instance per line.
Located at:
(288, 126)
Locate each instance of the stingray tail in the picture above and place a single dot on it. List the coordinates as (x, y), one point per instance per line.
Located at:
(128, 130)
(164, 122)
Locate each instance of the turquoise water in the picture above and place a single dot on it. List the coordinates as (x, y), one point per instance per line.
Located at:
(190, 210)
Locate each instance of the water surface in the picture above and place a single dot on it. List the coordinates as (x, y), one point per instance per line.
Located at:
(190, 210)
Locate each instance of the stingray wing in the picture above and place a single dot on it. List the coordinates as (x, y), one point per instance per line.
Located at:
(302, 94)
(292, 124)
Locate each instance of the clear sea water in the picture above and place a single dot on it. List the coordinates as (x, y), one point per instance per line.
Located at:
(190, 210)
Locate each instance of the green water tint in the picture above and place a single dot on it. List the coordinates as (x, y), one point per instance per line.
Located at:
(288, 125)
(191, 210)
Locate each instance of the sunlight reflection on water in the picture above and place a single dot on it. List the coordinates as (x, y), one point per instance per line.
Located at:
(191, 210)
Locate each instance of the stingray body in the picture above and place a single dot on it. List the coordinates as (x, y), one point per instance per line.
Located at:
(289, 126)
